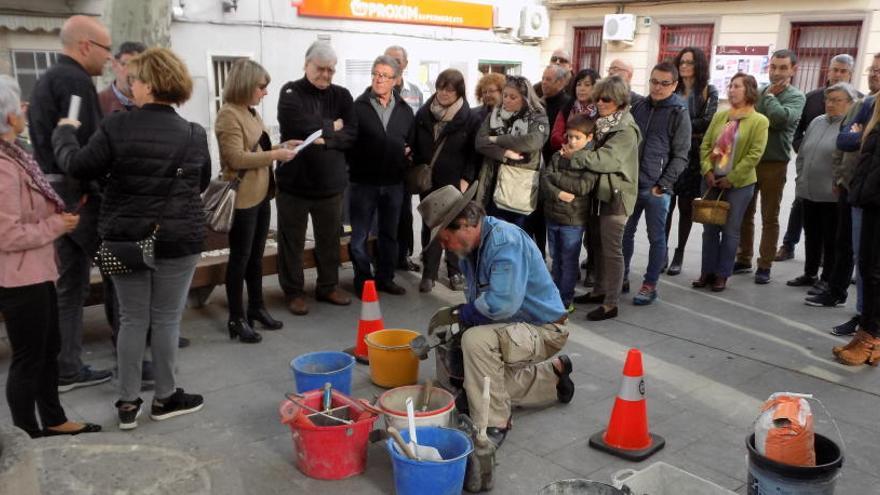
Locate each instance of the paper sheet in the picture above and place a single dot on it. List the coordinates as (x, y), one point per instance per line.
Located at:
(309, 140)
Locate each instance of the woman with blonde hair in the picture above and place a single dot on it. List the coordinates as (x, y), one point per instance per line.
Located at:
(247, 153)
(156, 164)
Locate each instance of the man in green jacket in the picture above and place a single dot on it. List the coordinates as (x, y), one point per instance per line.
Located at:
(782, 104)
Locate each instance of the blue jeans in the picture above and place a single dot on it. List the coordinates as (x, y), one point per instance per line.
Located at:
(385, 202)
(656, 209)
(721, 241)
(565, 248)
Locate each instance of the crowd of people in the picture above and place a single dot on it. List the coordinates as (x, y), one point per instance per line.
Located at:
(572, 162)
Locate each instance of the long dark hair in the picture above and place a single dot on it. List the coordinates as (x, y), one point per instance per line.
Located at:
(701, 70)
(581, 75)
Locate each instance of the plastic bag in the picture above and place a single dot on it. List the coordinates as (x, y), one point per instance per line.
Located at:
(784, 430)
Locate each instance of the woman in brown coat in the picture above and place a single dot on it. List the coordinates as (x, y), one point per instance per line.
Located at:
(246, 152)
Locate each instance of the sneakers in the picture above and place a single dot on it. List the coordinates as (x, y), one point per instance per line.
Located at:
(846, 329)
(740, 268)
(784, 253)
(85, 378)
(128, 413)
(457, 282)
(645, 296)
(825, 299)
(570, 308)
(178, 404)
(819, 288)
(762, 276)
(802, 281)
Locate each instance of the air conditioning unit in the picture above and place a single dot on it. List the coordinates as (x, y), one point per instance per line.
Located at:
(534, 23)
(619, 27)
(504, 19)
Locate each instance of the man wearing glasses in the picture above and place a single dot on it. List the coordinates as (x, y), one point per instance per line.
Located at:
(624, 70)
(313, 183)
(116, 97)
(377, 161)
(663, 154)
(559, 58)
(85, 51)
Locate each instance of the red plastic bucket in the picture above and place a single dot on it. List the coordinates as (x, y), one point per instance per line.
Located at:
(328, 452)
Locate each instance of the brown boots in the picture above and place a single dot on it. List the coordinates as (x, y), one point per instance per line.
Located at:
(864, 348)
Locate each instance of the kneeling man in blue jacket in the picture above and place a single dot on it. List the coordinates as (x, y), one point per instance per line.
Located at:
(514, 317)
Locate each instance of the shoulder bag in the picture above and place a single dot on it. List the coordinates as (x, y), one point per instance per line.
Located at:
(120, 257)
(418, 177)
(516, 189)
(218, 200)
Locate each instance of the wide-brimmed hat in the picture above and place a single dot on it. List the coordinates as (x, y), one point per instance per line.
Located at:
(439, 208)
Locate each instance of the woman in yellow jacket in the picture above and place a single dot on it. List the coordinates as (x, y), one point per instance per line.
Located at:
(732, 147)
(246, 152)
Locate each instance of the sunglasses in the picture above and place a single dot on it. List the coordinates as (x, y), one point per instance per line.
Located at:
(665, 84)
(558, 60)
(606, 99)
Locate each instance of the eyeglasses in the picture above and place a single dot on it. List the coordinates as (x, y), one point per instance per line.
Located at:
(686, 62)
(105, 47)
(556, 59)
(606, 99)
(836, 100)
(381, 77)
(657, 82)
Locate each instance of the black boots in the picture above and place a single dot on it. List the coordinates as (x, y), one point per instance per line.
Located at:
(675, 266)
(241, 328)
(265, 319)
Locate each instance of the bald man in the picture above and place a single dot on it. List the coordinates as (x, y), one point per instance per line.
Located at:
(624, 69)
(85, 50)
(560, 58)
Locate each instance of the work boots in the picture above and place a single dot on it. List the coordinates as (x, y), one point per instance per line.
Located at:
(864, 348)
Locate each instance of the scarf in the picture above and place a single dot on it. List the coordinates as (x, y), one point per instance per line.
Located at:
(605, 124)
(502, 122)
(722, 154)
(579, 108)
(27, 162)
(444, 115)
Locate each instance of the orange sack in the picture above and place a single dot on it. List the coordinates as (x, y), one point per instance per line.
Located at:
(784, 431)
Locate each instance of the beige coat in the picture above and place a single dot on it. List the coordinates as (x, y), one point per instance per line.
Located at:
(238, 131)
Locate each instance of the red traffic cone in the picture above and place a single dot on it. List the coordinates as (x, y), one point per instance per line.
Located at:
(371, 321)
(627, 435)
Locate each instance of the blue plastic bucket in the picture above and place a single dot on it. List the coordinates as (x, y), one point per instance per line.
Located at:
(312, 370)
(432, 478)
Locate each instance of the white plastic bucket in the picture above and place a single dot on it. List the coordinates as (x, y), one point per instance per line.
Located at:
(664, 479)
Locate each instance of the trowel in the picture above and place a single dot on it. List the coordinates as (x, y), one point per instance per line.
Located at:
(423, 452)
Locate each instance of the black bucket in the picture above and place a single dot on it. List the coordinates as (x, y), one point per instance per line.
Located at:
(768, 477)
(579, 487)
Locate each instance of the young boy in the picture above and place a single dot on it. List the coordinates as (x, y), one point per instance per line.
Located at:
(566, 203)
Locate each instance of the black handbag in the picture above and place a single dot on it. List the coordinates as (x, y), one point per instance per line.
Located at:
(418, 177)
(120, 257)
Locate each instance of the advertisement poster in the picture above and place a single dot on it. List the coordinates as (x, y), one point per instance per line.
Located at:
(728, 60)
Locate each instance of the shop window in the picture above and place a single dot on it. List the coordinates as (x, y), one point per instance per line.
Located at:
(221, 67)
(28, 66)
(815, 43)
(587, 48)
(676, 37)
(499, 67)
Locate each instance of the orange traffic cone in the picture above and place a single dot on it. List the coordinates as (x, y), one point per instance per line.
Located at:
(371, 321)
(627, 435)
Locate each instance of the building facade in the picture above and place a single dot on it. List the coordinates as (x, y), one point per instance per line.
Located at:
(815, 29)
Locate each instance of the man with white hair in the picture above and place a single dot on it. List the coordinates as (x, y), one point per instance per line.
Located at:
(313, 182)
(840, 70)
(86, 48)
(559, 58)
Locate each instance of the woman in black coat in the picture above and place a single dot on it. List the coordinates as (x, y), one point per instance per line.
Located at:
(156, 164)
(442, 126)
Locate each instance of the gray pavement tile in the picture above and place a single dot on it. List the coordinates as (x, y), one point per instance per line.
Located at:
(520, 472)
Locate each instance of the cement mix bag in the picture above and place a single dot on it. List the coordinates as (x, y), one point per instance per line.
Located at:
(784, 430)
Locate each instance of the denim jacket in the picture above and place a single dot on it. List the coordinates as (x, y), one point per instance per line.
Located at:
(507, 279)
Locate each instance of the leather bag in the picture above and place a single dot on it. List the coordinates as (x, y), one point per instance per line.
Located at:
(418, 177)
(516, 189)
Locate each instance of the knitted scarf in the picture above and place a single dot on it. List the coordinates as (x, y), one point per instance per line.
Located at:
(27, 162)
(605, 124)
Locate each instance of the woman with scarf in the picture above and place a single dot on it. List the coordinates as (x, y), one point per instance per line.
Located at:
(31, 218)
(732, 147)
(702, 102)
(513, 134)
(442, 127)
(582, 102)
(614, 159)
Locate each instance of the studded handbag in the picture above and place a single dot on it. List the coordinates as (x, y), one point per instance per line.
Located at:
(121, 257)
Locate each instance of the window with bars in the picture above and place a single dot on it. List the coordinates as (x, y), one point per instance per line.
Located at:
(587, 48)
(815, 43)
(28, 66)
(673, 38)
(221, 67)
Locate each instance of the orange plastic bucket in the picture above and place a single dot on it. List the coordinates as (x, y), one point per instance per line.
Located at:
(392, 364)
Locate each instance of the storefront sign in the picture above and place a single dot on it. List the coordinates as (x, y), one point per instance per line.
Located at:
(728, 60)
(430, 12)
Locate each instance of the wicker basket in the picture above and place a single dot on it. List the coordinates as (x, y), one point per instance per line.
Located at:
(709, 211)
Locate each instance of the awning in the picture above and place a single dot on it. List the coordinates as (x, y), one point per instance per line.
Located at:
(31, 23)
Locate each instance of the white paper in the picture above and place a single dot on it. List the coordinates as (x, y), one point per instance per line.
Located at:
(309, 140)
(73, 110)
